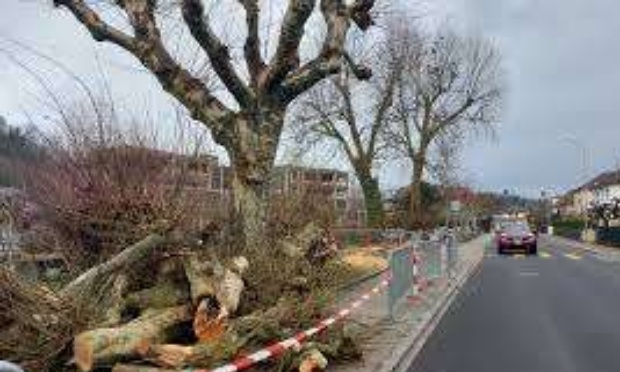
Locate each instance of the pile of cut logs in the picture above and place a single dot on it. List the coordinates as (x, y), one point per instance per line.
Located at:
(185, 317)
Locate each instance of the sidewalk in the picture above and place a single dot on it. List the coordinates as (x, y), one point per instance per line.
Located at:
(387, 343)
(602, 250)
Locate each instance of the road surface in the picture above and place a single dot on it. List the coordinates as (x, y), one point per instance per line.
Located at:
(558, 312)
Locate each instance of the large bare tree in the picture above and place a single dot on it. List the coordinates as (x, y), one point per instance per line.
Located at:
(452, 86)
(250, 127)
(353, 116)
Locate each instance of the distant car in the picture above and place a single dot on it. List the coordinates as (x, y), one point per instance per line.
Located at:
(516, 238)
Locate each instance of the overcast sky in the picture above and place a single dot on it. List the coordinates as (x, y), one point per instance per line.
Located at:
(562, 59)
(562, 62)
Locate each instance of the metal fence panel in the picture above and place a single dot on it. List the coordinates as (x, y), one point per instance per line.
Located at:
(437, 259)
(430, 253)
(401, 272)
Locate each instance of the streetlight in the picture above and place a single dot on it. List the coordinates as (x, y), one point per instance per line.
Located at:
(571, 139)
(583, 148)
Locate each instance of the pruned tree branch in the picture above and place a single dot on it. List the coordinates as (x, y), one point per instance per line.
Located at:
(337, 16)
(146, 45)
(99, 30)
(219, 56)
(254, 60)
(286, 57)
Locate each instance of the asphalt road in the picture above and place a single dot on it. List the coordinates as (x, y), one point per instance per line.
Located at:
(558, 312)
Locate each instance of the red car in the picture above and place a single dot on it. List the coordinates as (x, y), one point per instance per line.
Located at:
(516, 238)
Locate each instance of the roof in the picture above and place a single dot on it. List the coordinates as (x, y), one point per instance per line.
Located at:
(603, 180)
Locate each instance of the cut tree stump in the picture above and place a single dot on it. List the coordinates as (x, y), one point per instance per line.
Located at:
(107, 346)
(216, 293)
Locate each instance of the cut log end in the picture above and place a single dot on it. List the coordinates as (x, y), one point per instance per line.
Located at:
(83, 353)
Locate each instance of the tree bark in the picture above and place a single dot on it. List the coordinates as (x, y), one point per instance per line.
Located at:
(198, 355)
(85, 283)
(372, 199)
(252, 154)
(163, 295)
(415, 200)
(249, 198)
(107, 346)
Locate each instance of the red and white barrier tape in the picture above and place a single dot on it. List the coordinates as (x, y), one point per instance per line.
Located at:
(296, 341)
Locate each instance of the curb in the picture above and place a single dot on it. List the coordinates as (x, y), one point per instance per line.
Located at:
(361, 280)
(405, 355)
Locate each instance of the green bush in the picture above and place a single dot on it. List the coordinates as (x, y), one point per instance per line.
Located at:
(570, 228)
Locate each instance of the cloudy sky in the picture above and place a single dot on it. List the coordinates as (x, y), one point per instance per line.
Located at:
(562, 62)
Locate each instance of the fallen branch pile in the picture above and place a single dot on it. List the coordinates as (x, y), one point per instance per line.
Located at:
(157, 307)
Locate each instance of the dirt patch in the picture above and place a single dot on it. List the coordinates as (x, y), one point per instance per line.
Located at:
(365, 261)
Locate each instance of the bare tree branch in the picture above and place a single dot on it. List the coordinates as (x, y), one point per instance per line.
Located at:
(147, 46)
(219, 56)
(286, 57)
(99, 30)
(337, 16)
(256, 64)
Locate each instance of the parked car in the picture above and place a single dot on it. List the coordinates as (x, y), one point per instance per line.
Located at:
(516, 237)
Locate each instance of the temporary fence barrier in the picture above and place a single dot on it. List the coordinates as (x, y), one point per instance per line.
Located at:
(419, 263)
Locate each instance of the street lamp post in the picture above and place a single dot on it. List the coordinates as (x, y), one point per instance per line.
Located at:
(585, 173)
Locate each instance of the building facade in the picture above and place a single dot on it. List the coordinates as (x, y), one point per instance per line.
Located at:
(208, 183)
(335, 186)
(604, 189)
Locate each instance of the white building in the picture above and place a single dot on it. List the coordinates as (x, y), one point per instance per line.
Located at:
(603, 189)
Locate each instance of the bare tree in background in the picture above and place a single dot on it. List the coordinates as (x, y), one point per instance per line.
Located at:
(451, 86)
(443, 164)
(353, 116)
(249, 128)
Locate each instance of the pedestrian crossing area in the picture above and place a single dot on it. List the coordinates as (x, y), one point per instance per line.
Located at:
(575, 256)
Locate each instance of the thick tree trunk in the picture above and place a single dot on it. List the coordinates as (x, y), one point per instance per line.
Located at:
(252, 153)
(415, 200)
(372, 199)
(250, 205)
